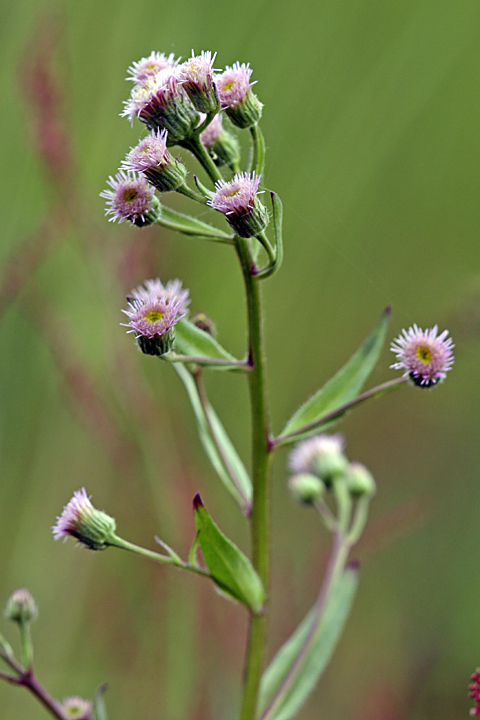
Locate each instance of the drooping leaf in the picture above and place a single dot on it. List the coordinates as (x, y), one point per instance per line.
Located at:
(99, 704)
(218, 446)
(191, 340)
(191, 225)
(229, 567)
(298, 665)
(342, 387)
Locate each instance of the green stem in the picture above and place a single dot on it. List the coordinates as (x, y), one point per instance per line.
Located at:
(119, 542)
(173, 357)
(195, 145)
(188, 192)
(261, 458)
(26, 645)
(334, 414)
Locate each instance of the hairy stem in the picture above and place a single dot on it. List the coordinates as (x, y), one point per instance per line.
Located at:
(261, 457)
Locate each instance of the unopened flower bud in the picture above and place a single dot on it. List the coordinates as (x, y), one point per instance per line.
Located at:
(21, 607)
(202, 321)
(222, 146)
(82, 521)
(306, 488)
(359, 480)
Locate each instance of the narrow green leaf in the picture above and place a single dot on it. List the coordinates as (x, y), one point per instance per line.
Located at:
(342, 387)
(213, 436)
(169, 550)
(298, 665)
(191, 340)
(99, 704)
(191, 225)
(229, 567)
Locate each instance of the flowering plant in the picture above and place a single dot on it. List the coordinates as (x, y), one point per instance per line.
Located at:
(199, 110)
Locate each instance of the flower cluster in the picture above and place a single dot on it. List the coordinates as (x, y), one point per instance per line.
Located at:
(153, 312)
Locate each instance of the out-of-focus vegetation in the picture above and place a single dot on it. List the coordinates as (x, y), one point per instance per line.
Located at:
(371, 121)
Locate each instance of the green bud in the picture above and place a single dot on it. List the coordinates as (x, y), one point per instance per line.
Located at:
(306, 488)
(360, 481)
(21, 607)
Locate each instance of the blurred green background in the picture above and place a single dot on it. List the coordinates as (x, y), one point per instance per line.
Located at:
(371, 122)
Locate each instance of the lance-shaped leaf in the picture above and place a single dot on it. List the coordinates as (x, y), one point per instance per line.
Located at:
(191, 340)
(99, 704)
(191, 226)
(298, 665)
(342, 387)
(231, 570)
(217, 445)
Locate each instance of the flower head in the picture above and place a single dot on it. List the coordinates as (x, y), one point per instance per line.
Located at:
(76, 708)
(196, 77)
(152, 158)
(425, 357)
(320, 455)
(474, 692)
(130, 198)
(238, 201)
(236, 97)
(82, 521)
(160, 102)
(21, 607)
(153, 312)
(149, 66)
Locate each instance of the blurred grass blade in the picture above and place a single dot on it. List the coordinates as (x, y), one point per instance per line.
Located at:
(99, 704)
(231, 570)
(298, 665)
(191, 226)
(191, 340)
(218, 445)
(342, 387)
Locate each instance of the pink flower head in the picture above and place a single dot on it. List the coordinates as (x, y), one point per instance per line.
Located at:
(153, 312)
(76, 708)
(148, 67)
(238, 201)
(152, 158)
(212, 132)
(305, 455)
(474, 692)
(130, 198)
(160, 102)
(236, 97)
(82, 521)
(233, 85)
(425, 357)
(196, 77)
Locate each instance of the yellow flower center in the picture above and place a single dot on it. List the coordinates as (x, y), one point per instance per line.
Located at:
(424, 354)
(233, 193)
(130, 195)
(153, 316)
(229, 85)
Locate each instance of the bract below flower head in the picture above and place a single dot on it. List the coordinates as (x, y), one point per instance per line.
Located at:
(81, 520)
(425, 356)
(236, 97)
(153, 312)
(147, 67)
(196, 77)
(152, 158)
(130, 198)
